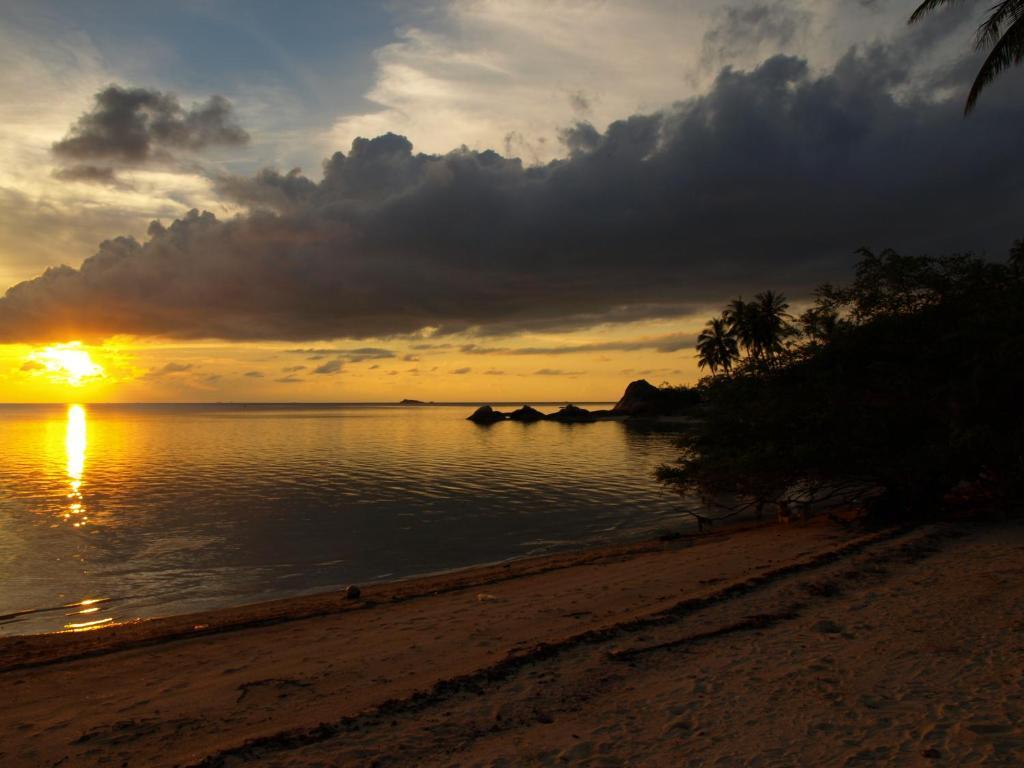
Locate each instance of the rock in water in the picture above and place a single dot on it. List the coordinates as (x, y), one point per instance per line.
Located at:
(641, 398)
(485, 415)
(526, 413)
(570, 414)
(353, 592)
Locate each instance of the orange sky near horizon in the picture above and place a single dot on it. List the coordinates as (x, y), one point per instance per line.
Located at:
(593, 365)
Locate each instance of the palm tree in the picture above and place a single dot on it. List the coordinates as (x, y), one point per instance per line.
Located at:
(770, 324)
(1003, 31)
(739, 317)
(716, 346)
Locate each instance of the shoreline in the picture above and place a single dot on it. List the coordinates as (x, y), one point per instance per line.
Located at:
(785, 644)
(35, 649)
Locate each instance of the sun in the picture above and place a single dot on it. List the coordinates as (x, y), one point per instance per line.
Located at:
(65, 364)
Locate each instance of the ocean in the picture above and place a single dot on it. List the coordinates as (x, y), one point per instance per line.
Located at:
(110, 513)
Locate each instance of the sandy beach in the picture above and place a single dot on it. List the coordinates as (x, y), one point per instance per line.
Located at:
(769, 645)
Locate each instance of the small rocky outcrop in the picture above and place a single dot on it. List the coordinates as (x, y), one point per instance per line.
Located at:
(526, 413)
(641, 398)
(485, 415)
(572, 414)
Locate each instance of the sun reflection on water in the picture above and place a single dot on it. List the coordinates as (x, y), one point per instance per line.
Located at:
(75, 442)
(85, 626)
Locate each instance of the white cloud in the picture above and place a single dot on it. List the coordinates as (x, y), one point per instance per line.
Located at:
(48, 77)
(497, 72)
(509, 76)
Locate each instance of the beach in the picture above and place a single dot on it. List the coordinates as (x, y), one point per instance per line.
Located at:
(813, 644)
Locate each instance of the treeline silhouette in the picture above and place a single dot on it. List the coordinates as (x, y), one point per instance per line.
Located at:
(899, 393)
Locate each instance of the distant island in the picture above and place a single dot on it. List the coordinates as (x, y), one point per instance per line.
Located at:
(408, 401)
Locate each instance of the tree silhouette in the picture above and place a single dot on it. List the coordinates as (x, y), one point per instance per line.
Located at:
(739, 316)
(901, 396)
(771, 326)
(716, 346)
(760, 326)
(1003, 31)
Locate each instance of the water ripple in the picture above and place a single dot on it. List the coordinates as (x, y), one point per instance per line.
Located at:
(164, 509)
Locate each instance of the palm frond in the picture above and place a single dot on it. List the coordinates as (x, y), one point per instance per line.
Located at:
(927, 7)
(991, 29)
(1006, 53)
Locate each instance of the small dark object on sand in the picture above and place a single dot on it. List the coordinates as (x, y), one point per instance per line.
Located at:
(353, 592)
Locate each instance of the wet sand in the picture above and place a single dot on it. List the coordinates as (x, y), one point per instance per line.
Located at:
(774, 645)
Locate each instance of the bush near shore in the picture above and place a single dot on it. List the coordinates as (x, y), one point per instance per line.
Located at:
(897, 392)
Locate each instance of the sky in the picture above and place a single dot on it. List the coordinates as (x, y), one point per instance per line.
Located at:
(461, 201)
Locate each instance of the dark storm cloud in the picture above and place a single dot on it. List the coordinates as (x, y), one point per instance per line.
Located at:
(769, 180)
(135, 125)
(268, 189)
(740, 29)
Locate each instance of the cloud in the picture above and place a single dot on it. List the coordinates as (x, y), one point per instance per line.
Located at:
(557, 372)
(331, 366)
(32, 365)
(290, 379)
(671, 342)
(357, 355)
(253, 374)
(461, 371)
(770, 179)
(39, 230)
(551, 63)
(493, 372)
(268, 189)
(91, 174)
(739, 31)
(136, 125)
(169, 369)
(293, 368)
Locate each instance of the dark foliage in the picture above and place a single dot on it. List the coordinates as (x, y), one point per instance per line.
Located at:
(900, 389)
(679, 400)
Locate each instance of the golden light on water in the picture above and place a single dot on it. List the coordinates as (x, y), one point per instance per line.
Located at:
(75, 442)
(65, 364)
(85, 626)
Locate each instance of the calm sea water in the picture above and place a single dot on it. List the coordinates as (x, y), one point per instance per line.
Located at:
(153, 510)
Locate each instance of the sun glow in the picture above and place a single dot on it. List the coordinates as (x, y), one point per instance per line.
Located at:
(65, 364)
